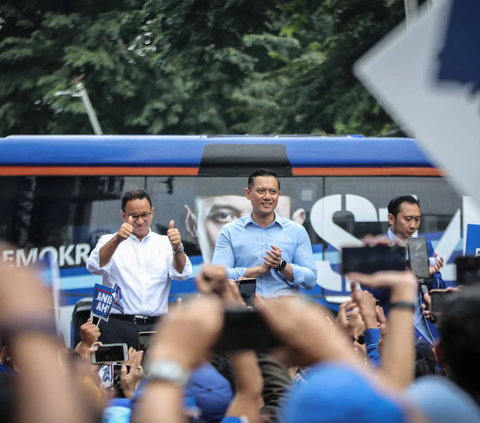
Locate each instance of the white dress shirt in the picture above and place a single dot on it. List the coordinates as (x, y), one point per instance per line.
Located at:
(144, 271)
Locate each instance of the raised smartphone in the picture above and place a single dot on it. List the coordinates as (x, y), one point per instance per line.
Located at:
(245, 330)
(247, 291)
(468, 270)
(438, 298)
(110, 353)
(418, 257)
(117, 379)
(369, 260)
(145, 339)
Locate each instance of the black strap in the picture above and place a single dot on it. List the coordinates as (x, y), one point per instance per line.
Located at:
(404, 305)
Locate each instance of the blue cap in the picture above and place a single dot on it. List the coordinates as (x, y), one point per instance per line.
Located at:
(441, 401)
(339, 393)
(189, 406)
(211, 391)
(118, 410)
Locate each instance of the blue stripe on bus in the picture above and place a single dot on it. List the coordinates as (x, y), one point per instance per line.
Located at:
(184, 151)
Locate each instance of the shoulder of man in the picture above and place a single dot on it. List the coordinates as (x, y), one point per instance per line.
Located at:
(290, 224)
(430, 249)
(104, 239)
(154, 236)
(236, 224)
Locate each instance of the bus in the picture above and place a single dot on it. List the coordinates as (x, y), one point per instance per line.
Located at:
(61, 193)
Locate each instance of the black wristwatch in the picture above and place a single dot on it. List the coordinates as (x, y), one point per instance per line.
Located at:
(282, 266)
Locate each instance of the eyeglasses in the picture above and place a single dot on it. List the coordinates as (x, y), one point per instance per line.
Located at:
(144, 216)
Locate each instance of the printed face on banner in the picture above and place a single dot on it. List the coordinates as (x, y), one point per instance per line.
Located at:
(212, 213)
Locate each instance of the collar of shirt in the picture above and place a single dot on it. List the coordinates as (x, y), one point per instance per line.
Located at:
(394, 238)
(249, 220)
(145, 238)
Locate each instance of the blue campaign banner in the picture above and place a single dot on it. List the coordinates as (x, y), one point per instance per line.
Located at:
(460, 56)
(472, 246)
(118, 299)
(103, 299)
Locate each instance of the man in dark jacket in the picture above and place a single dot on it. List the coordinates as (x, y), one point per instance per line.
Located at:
(404, 217)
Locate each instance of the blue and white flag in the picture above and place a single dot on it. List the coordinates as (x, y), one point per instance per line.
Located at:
(106, 375)
(103, 299)
(118, 299)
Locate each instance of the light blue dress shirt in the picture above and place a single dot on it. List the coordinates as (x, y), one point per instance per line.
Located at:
(243, 244)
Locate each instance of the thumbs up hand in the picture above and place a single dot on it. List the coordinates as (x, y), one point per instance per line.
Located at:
(174, 235)
(126, 229)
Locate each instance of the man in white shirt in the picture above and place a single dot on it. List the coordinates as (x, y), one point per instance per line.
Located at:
(142, 263)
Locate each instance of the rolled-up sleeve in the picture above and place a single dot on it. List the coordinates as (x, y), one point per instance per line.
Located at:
(186, 272)
(224, 255)
(303, 265)
(372, 338)
(93, 262)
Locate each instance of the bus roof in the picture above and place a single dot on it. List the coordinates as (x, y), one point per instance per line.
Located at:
(187, 151)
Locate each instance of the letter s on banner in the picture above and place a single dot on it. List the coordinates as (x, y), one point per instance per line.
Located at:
(321, 218)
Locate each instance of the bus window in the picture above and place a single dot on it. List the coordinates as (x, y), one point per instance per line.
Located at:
(64, 215)
(439, 202)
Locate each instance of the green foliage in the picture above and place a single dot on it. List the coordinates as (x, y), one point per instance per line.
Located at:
(190, 67)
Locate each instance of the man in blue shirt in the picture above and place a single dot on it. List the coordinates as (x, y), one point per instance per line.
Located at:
(274, 250)
(404, 217)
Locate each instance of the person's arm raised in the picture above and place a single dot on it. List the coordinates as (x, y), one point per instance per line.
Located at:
(248, 386)
(89, 333)
(179, 257)
(398, 355)
(185, 340)
(108, 250)
(308, 334)
(45, 391)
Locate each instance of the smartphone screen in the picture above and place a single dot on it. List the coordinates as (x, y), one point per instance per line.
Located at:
(110, 353)
(145, 339)
(117, 379)
(418, 256)
(247, 291)
(439, 297)
(245, 330)
(369, 260)
(468, 270)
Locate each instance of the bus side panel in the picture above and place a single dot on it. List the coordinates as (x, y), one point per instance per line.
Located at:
(66, 215)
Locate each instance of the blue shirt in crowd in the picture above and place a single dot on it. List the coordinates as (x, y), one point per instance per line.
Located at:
(243, 244)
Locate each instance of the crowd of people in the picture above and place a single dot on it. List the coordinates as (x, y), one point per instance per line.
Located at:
(379, 359)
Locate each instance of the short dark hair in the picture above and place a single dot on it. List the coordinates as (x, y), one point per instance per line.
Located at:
(261, 172)
(135, 194)
(460, 338)
(424, 359)
(394, 205)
